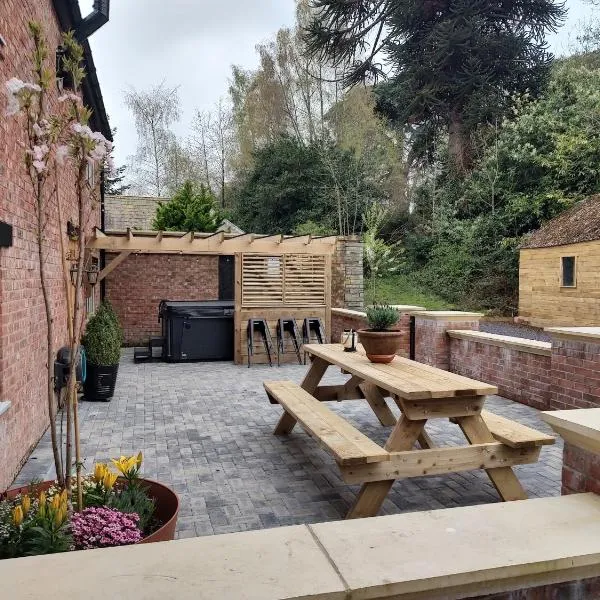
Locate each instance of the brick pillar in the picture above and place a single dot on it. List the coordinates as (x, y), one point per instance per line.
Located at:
(432, 343)
(347, 289)
(575, 367)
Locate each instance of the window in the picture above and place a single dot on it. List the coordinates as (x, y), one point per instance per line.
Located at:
(568, 274)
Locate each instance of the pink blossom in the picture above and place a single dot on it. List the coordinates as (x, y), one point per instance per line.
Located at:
(14, 89)
(101, 527)
(62, 152)
(40, 152)
(39, 166)
(72, 97)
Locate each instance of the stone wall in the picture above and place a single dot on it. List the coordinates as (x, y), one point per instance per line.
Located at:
(347, 287)
(22, 318)
(134, 212)
(137, 286)
(520, 368)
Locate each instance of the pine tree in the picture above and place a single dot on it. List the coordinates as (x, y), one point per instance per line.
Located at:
(113, 183)
(450, 64)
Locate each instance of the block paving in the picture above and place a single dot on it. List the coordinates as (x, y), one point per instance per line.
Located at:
(206, 429)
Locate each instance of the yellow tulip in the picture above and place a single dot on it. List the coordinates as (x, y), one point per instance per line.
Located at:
(42, 505)
(124, 464)
(109, 480)
(99, 472)
(59, 516)
(139, 460)
(17, 515)
(63, 497)
(26, 502)
(55, 502)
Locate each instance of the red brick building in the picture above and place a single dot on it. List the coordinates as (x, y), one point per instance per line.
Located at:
(23, 403)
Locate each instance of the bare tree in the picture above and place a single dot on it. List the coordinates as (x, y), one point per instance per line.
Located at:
(201, 127)
(154, 111)
(220, 136)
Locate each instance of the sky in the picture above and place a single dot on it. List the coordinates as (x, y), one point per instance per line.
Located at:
(193, 43)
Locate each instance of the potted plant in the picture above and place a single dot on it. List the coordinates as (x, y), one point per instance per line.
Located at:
(380, 341)
(102, 342)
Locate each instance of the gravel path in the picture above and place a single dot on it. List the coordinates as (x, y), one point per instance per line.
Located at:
(521, 331)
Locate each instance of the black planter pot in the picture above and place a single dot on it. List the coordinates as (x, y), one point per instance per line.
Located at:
(100, 382)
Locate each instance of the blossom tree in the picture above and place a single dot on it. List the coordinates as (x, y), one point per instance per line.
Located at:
(56, 143)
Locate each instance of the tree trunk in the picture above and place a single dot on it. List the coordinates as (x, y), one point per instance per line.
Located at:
(458, 144)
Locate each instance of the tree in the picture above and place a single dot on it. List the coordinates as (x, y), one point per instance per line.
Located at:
(154, 111)
(451, 64)
(114, 181)
(192, 208)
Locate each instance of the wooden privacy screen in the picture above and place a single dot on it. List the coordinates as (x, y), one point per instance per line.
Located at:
(288, 279)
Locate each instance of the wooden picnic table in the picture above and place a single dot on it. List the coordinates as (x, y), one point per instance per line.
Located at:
(421, 392)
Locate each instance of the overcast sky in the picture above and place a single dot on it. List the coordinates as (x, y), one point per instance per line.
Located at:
(193, 43)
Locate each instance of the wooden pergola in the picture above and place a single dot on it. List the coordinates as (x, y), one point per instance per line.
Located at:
(275, 275)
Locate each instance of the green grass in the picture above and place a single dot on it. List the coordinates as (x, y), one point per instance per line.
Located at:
(401, 289)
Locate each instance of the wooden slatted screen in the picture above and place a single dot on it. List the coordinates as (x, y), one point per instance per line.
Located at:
(290, 279)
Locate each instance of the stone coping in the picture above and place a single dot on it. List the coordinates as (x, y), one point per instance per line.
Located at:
(346, 312)
(584, 334)
(441, 554)
(580, 426)
(448, 315)
(503, 341)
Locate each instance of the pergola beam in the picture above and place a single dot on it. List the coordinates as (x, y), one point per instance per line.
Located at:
(113, 264)
(197, 243)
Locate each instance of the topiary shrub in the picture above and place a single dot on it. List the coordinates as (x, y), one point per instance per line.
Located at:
(381, 317)
(103, 336)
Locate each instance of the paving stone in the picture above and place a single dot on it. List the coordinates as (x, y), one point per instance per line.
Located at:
(207, 430)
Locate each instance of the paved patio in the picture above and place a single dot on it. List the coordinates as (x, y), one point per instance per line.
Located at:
(206, 430)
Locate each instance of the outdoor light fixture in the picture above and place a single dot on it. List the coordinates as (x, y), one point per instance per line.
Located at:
(91, 274)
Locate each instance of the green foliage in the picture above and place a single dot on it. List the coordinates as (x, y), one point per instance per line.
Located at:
(192, 208)
(133, 498)
(405, 289)
(312, 228)
(382, 317)
(292, 184)
(103, 337)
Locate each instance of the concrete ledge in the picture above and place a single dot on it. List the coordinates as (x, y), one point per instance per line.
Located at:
(346, 312)
(580, 427)
(583, 334)
(503, 341)
(448, 315)
(450, 554)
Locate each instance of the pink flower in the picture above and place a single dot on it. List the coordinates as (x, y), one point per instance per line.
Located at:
(103, 527)
(71, 97)
(62, 152)
(16, 90)
(39, 166)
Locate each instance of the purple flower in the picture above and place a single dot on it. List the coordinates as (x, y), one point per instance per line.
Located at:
(101, 527)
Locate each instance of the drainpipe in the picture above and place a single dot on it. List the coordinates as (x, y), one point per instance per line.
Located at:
(96, 19)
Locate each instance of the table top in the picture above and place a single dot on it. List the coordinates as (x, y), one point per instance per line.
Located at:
(406, 378)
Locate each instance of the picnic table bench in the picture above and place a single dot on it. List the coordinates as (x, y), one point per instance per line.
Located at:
(422, 393)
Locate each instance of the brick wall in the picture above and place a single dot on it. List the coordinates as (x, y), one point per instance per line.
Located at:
(137, 286)
(135, 212)
(520, 375)
(575, 373)
(581, 470)
(432, 344)
(22, 320)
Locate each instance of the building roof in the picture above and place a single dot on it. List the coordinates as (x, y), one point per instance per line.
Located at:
(580, 223)
(69, 17)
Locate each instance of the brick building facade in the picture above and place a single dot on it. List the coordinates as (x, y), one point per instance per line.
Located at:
(24, 418)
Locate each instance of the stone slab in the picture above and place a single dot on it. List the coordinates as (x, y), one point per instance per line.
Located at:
(482, 549)
(503, 341)
(276, 564)
(585, 334)
(580, 427)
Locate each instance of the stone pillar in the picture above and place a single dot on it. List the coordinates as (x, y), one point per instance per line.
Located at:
(347, 288)
(432, 343)
(575, 367)
(580, 430)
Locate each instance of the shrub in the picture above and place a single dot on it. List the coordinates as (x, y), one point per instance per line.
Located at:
(103, 337)
(381, 317)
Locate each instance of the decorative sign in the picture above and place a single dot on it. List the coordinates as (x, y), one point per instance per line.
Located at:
(6, 235)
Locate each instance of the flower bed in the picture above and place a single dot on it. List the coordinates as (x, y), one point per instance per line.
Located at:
(117, 510)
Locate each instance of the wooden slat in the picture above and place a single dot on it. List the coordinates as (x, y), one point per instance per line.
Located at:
(442, 408)
(439, 461)
(346, 443)
(514, 434)
(403, 377)
(112, 265)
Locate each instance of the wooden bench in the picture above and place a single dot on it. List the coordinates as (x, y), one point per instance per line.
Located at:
(346, 443)
(514, 434)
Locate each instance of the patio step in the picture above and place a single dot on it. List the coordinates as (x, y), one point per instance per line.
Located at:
(334, 434)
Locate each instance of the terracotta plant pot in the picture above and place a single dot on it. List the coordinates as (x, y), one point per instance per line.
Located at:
(167, 507)
(380, 346)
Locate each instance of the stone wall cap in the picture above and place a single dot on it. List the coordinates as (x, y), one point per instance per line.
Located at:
(580, 426)
(448, 315)
(503, 341)
(575, 333)
(408, 308)
(347, 312)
